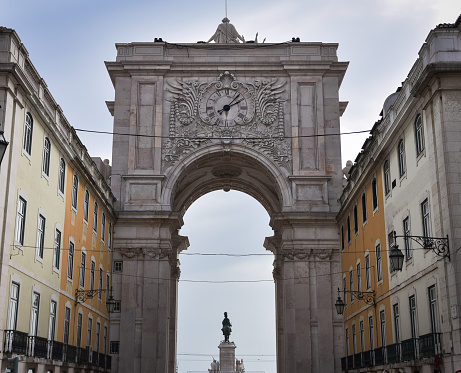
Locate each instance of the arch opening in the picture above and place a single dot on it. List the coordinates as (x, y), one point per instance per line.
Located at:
(238, 280)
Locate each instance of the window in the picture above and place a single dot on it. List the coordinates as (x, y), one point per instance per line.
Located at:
(40, 236)
(433, 308)
(57, 249)
(371, 329)
(52, 324)
(79, 329)
(98, 333)
(354, 340)
(425, 218)
(88, 333)
(374, 190)
(396, 322)
(402, 165)
(13, 306)
(342, 237)
(74, 191)
(109, 243)
(387, 177)
(382, 317)
(379, 264)
(70, 261)
(28, 129)
(107, 286)
(347, 342)
(406, 241)
(62, 175)
(413, 317)
(356, 220)
(345, 290)
(100, 284)
(117, 306)
(351, 284)
(34, 314)
(367, 271)
(362, 336)
(20, 221)
(364, 208)
(118, 266)
(114, 347)
(92, 270)
(86, 206)
(103, 227)
(66, 325)
(390, 240)
(419, 138)
(82, 270)
(359, 278)
(348, 229)
(95, 217)
(104, 347)
(46, 157)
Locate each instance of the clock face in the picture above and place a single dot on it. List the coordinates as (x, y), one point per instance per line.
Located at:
(227, 106)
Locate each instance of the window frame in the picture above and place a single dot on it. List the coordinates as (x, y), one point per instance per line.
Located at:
(356, 219)
(41, 227)
(13, 306)
(28, 134)
(402, 160)
(406, 241)
(57, 249)
(387, 177)
(359, 277)
(52, 320)
(103, 227)
(413, 316)
(348, 226)
(81, 282)
(419, 135)
(92, 273)
(379, 262)
(364, 208)
(95, 217)
(374, 193)
(74, 199)
(396, 311)
(21, 214)
(70, 261)
(367, 271)
(62, 176)
(86, 206)
(426, 218)
(46, 157)
(66, 331)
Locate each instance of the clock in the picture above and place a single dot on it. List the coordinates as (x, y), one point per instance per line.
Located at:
(227, 106)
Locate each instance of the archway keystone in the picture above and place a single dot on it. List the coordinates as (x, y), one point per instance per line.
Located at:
(261, 119)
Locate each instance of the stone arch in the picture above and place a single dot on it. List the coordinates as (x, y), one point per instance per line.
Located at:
(211, 168)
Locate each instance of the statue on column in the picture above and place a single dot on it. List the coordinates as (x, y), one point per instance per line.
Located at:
(226, 328)
(226, 33)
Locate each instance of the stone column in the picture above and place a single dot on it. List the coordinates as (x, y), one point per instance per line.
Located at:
(227, 357)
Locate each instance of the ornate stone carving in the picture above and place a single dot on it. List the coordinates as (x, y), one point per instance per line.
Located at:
(130, 253)
(174, 265)
(296, 254)
(151, 254)
(229, 111)
(323, 254)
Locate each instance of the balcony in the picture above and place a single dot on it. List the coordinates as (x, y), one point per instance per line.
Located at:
(426, 346)
(23, 344)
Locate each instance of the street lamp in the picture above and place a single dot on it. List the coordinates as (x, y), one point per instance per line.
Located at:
(367, 296)
(83, 295)
(439, 245)
(3, 146)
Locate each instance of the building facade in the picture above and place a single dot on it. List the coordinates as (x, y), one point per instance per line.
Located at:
(414, 149)
(56, 229)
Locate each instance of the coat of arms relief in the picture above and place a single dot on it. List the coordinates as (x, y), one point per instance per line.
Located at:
(229, 111)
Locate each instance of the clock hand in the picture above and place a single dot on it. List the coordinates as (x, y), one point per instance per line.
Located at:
(235, 98)
(228, 106)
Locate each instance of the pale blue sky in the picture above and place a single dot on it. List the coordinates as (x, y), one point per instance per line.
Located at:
(68, 42)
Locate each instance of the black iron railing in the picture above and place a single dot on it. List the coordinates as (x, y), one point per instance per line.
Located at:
(426, 346)
(21, 343)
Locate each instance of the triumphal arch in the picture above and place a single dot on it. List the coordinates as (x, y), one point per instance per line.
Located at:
(259, 118)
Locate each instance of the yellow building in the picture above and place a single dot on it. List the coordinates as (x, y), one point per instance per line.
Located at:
(41, 230)
(364, 265)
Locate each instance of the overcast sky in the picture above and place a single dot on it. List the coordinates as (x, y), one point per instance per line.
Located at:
(68, 42)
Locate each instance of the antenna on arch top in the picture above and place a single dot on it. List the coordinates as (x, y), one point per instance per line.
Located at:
(225, 7)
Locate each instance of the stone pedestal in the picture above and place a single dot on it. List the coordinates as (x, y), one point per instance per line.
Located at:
(227, 357)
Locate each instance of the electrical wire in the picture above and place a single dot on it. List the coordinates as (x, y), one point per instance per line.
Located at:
(218, 138)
